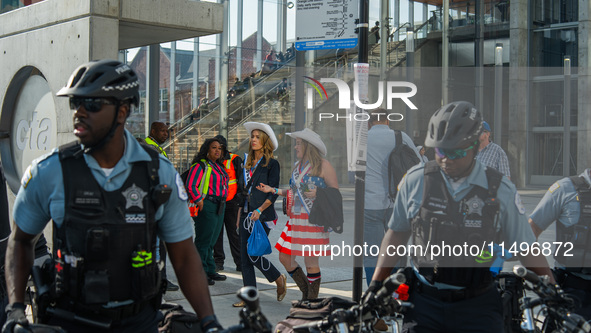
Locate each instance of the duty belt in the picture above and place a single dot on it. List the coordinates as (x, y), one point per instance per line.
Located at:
(112, 314)
(451, 295)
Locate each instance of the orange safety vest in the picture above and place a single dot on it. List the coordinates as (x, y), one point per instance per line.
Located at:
(232, 181)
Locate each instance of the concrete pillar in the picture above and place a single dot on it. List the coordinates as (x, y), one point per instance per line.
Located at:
(518, 96)
(584, 86)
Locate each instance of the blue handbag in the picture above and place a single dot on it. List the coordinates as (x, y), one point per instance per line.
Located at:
(258, 242)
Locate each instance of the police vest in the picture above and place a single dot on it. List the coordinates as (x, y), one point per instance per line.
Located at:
(105, 248)
(155, 144)
(232, 181)
(577, 258)
(450, 225)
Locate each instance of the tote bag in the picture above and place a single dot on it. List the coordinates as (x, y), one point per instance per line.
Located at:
(258, 243)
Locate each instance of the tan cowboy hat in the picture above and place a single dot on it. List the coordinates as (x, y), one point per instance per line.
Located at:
(251, 126)
(311, 137)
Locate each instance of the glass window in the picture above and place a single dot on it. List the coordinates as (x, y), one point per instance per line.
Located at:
(163, 100)
(548, 154)
(551, 46)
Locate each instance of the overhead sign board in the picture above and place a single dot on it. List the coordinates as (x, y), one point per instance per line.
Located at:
(326, 24)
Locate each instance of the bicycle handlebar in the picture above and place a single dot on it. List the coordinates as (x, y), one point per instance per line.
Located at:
(252, 319)
(558, 304)
(381, 303)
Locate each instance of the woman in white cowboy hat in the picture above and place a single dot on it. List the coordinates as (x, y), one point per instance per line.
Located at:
(259, 166)
(310, 172)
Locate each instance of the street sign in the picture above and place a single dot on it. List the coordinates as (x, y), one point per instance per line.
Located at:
(322, 24)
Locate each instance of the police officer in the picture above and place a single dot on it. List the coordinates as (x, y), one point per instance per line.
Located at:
(452, 201)
(108, 197)
(568, 202)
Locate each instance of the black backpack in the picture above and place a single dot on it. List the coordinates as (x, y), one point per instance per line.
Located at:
(401, 158)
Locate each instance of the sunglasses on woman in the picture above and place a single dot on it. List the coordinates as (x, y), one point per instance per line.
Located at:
(453, 154)
(91, 104)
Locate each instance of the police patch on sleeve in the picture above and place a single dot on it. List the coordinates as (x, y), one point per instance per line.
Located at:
(26, 177)
(181, 188)
(554, 187)
(519, 204)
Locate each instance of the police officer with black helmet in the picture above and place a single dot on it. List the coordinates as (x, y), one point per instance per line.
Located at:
(568, 202)
(108, 197)
(453, 201)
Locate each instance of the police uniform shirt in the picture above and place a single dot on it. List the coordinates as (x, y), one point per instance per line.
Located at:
(512, 217)
(41, 196)
(560, 204)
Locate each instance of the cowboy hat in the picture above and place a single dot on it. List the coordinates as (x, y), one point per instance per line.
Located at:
(251, 126)
(311, 137)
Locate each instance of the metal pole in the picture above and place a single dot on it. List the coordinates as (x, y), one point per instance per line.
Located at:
(478, 56)
(218, 63)
(566, 112)
(153, 87)
(239, 39)
(396, 20)
(172, 89)
(410, 61)
(360, 175)
(224, 72)
(498, 103)
(259, 53)
(384, 10)
(299, 90)
(282, 26)
(196, 91)
(445, 52)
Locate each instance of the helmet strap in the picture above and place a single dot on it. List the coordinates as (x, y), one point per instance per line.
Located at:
(108, 136)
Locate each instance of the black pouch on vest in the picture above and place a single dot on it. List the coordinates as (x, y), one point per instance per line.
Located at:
(97, 244)
(145, 282)
(96, 287)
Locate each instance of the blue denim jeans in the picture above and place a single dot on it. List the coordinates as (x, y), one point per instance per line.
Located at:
(374, 228)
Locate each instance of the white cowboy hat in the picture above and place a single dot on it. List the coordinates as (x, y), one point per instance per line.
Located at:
(311, 137)
(251, 126)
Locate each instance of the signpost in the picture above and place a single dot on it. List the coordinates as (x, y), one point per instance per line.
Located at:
(326, 24)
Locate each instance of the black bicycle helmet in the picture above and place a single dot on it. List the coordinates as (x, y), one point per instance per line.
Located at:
(103, 78)
(454, 125)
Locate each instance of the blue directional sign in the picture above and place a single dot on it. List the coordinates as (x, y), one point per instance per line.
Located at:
(326, 24)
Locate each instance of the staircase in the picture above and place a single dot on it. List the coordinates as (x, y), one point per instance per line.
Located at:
(260, 103)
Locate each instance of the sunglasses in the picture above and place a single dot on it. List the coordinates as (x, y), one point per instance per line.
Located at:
(453, 154)
(90, 104)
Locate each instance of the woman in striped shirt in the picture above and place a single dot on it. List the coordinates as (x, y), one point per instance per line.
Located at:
(207, 186)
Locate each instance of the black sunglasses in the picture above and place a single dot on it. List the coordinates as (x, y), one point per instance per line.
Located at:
(90, 104)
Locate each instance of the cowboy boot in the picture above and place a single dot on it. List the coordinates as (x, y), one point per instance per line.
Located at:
(301, 281)
(314, 289)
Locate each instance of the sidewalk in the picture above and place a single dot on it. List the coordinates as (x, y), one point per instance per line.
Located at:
(337, 275)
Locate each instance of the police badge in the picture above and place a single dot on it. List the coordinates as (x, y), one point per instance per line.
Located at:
(134, 196)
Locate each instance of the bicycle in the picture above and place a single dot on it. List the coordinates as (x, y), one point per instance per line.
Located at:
(556, 307)
(362, 317)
